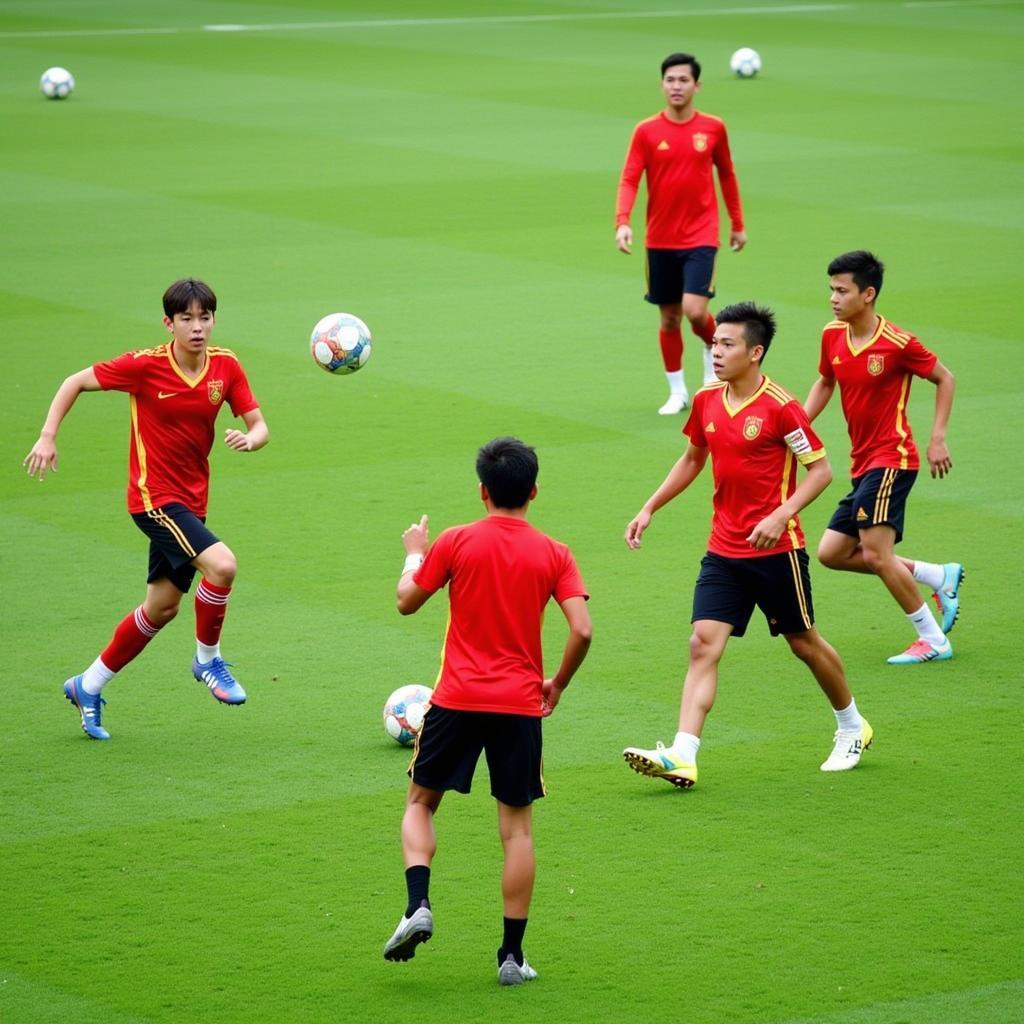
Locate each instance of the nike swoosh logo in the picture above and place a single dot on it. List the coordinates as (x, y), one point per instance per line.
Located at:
(166, 394)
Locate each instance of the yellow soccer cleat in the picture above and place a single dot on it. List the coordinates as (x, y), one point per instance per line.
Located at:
(661, 763)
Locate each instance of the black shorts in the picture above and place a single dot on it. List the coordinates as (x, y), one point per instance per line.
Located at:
(449, 745)
(878, 498)
(176, 536)
(673, 272)
(780, 585)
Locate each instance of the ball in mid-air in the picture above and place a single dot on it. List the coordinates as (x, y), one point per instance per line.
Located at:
(56, 83)
(341, 343)
(404, 711)
(745, 62)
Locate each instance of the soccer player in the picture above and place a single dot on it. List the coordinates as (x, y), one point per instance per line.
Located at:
(755, 434)
(677, 149)
(491, 692)
(873, 362)
(175, 392)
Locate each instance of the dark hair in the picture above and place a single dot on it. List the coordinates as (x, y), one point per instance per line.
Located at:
(866, 268)
(180, 296)
(508, 469)
(758, 323)
(681, 58)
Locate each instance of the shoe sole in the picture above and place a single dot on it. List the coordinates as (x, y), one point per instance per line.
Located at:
(406, 949)
(645, 766)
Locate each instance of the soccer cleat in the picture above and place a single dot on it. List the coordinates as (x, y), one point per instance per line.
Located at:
(921, 650)
(411, 931)
(511, 973)
(945, 598)
(677, 402)
(661, 763)
(848, 747)
(90, 707)
(214, 675)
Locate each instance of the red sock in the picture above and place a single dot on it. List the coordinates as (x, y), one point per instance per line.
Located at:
(132, 634)
(707, 332)
(211, 607)
(671, 349)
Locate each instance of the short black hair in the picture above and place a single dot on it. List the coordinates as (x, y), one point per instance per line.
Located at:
(180, 296)
(867, 269)
(508, 469)
(681, 58)
(758, 323)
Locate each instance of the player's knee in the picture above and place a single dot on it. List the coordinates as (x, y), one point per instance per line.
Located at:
(874, 561)
(802, 646)
(670, 321)
(701, 647)
(696, 311)
(829, 557)
(161, 613)
(221, 568)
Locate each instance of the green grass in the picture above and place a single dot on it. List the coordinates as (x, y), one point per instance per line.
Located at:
(453, 184)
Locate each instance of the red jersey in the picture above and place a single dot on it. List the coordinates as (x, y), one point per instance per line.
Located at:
(502, 572)
(754, 450)
(172, 421)
(874, 384)
(682, 208)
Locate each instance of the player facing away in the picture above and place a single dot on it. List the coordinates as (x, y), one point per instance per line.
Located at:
(755, 433)
(677, 149)
(491, 692)
(175, 393)
(874, 362)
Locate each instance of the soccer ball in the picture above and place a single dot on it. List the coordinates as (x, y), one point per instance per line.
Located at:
(341, 343)
(745, 62)
(57, 83)
(404, 711)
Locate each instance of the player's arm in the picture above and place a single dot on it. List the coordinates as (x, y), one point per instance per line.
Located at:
(767, 532)
(680, 476)
(819, 396)
(43, 455)
(255, 435)
(410, 596)
(938, 452)
(730, 187)
(629, 185)
(576, 646)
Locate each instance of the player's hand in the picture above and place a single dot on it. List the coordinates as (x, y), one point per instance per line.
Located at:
(636, 527)
(737, 239)
(767, 532)
(417, 537)
(550, 696)
(938, 459)
(42, 457)
(624, 239)
(237, 440)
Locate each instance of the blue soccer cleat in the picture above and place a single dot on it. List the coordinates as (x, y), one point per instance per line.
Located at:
(946, 597)
(214, 675)
(90, 707)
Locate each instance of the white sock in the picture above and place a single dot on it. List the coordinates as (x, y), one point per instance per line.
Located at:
(676, 384)
(709, 370)
(95, 677)
(686, 746)
(848, 720)
(927, 628)
(206, 654)
(930, 574)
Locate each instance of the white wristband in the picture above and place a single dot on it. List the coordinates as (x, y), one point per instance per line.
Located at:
(412, 563)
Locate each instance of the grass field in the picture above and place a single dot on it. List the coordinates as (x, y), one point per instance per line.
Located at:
(447, 171)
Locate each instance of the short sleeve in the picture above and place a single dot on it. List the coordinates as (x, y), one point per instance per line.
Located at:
(799, 435)
(694, 426)
(919, 360)
(570, 581)
(824, 363)
(121, 374)
(240, 396)
(436, 569)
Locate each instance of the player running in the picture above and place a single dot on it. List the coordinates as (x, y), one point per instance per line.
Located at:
(175, 392)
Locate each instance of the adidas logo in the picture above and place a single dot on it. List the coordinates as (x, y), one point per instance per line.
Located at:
(663, 145)
(709, 429)
(861, 515)
(836, 360)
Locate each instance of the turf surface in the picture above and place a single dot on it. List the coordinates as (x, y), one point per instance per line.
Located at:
(447, 172)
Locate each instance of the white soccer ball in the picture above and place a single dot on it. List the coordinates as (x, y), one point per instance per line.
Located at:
(404, 711)
(745, 62)
(57, 83)
(340, 343)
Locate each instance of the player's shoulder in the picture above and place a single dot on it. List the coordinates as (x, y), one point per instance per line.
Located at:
(777, 393)
(154, 352)
(218, 351)
(834, 325)
(709, 389)
(897, 335)
(705, 119)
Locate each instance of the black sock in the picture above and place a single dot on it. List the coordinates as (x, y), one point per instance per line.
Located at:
(417, 881)
(515, 929)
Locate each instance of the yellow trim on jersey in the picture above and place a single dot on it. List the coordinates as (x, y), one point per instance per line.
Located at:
(140, 452)
(882, 324)
(901, 420)
(753, 398)
(809, 457)
(781, 395)
(798, 585)
(192, 382)
(897, 337)
(788, 469)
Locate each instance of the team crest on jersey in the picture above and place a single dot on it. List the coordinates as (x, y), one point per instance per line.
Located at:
(215, 389)
(752, 427)
(700, 141)
(876, 364)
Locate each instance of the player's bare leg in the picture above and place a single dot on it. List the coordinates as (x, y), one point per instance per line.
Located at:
(515, 826)
(695, 309)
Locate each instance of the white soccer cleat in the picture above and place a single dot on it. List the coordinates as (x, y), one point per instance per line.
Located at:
(510, 973)
(848, 747)
(411, 931)
(676, 403)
